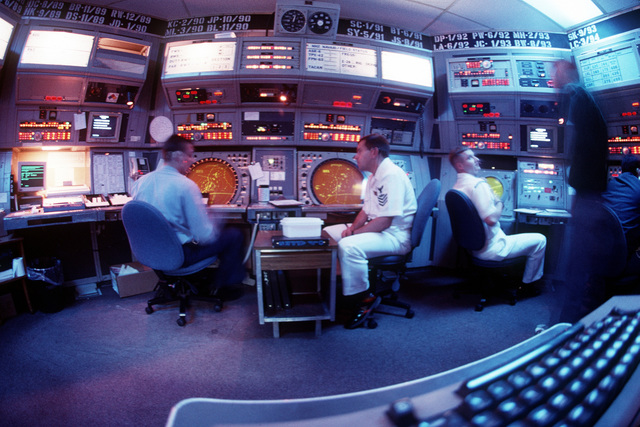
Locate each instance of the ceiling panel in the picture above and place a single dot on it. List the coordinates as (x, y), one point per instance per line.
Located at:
(506, 15)
(430, 17)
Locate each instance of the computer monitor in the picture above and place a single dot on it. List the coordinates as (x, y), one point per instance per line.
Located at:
(103, 127)
(32, 176)
(541, 139)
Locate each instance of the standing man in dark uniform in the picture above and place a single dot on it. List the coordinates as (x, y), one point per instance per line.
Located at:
(586, 145)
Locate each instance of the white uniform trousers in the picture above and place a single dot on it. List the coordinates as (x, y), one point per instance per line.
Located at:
(354, 251)
(531, 245)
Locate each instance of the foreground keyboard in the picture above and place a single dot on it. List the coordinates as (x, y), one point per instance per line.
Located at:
(569, 381)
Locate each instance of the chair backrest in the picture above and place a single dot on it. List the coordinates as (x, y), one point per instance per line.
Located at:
(426, 202)
(152, 239)
(466, 224)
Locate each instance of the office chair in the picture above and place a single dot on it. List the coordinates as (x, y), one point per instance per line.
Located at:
(468, 232)
(397, 264)
(608, 259)
(155, 244)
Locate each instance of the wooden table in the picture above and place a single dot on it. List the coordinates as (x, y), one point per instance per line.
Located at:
(315, 304)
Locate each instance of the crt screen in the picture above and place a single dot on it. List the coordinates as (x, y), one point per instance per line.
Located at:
(337, 182)
(496, 186)
(215, 177)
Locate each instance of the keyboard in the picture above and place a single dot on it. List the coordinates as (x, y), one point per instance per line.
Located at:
(569, 381)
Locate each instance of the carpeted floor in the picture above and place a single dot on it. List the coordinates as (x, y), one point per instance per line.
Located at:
(103, 361)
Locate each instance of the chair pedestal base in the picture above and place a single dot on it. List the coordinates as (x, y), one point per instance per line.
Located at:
(182, 291)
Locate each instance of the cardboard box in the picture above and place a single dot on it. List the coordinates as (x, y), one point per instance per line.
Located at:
(7, 307)
(141, 280)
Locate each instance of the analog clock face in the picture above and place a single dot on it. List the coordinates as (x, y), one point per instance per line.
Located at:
(293, 21)
(320, 22)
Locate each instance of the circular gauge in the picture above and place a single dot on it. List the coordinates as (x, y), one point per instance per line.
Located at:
(293, 20)
(496, 186)
(337, 182)
(215, 177)
(487, 63)
(320, 22)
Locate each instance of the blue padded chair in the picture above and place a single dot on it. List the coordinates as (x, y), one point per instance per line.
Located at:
(155, 244)
(397, 264)
(468, 232)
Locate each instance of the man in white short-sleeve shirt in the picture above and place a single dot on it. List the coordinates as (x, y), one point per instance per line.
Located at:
(498, 245)
(382, 227)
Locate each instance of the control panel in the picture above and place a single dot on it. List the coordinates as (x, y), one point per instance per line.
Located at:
(487, 135)
(332, 127)
(278, 167)
(268, 126)
(541, 184)
(481, 74)
(205, 126)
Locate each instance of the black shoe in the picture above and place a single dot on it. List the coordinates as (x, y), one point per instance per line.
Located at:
(363, 314)
(227, 293)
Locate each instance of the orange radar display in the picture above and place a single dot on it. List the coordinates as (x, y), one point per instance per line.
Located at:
(337, 182)
(215, 177)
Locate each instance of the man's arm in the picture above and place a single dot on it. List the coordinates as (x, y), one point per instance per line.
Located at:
(494, 217)
(489, 207)
(360, 225)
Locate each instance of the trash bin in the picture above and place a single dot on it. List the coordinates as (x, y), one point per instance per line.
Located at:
(46, 279)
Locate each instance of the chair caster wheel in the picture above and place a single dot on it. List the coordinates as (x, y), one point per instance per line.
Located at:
(410, 314)
(479, 307)
(217, 308)
(148, 309)
(372, 324)
(181, 321)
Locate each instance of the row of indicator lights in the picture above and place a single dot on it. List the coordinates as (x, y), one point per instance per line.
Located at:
(268, 47)
(207, 136)
(44, 136)
(268, 67)
(268, 56)
(540, 171)
(203, 126)
(489, 145)
(331, 126)
(634, 149)
(495, 82)
(473, 135)
(46, 125)
(319, 136)
(474, 73)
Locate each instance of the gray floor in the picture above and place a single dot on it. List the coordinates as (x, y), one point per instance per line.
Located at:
(103, 361)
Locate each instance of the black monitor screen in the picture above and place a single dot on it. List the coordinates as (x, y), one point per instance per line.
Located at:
(541, 138)
(32, 176)
(104, 127)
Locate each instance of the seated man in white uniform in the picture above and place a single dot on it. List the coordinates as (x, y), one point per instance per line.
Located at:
(382, 227)
(498, 246)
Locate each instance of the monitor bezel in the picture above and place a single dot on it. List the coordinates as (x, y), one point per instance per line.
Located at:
(21, 187)
(90, 123)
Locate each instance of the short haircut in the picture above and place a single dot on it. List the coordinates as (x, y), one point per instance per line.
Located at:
(453, 154)
(173, 144)
(630, 163)
(378, 141)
